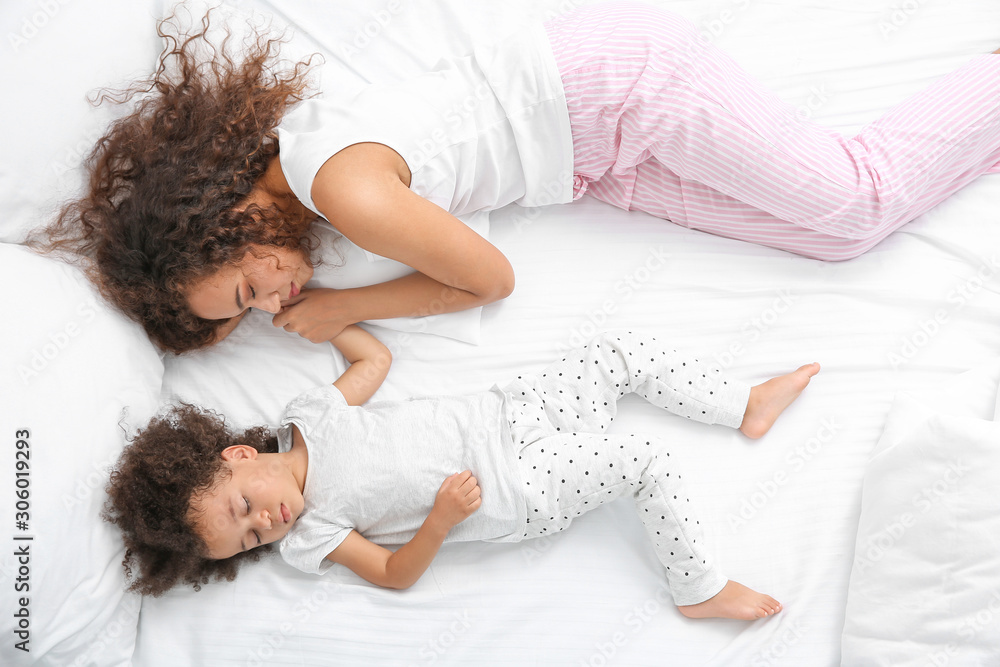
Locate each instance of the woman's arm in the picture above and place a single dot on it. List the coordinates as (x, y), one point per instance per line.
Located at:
(369, 359)
(363, 191)
(457, 499)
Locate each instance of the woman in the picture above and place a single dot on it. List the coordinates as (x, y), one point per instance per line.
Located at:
(193, 216)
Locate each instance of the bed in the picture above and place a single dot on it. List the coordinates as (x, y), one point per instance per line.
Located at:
(869, 510)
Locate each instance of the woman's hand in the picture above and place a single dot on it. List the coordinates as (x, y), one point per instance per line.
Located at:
(316, 314)
(457, 499)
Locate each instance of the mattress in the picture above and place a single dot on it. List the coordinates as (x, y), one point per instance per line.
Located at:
(782, 513)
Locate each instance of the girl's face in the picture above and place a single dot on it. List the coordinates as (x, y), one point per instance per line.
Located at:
(265, 278)
(256, 505)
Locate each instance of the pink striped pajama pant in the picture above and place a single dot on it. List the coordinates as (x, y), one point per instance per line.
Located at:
(663, 122)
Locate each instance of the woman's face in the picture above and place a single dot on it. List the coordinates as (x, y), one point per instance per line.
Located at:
(265, 278)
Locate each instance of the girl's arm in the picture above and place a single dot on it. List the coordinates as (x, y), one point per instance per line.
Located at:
(369, 364)
(363, 191)
(456, 500)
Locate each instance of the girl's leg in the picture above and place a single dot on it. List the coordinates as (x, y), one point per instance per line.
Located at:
(580, 392)
(569, 474)
(642, 86)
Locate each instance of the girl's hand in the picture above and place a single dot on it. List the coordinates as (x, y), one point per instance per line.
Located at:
(457, 499)
(315, 314)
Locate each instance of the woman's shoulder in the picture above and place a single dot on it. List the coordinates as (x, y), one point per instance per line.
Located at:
(345, 178)
(356, 177)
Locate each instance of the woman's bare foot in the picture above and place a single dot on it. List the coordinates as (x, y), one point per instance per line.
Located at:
(734, 601)
(769, 400)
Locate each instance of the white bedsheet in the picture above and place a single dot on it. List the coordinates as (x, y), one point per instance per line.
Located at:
(781, 513)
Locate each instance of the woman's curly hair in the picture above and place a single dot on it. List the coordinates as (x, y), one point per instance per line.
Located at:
(166, 202)
(173, 460)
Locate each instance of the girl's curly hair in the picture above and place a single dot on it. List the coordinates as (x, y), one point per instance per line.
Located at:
(166, 202)
(174, 459)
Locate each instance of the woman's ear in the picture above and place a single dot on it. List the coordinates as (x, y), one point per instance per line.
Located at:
(239, 452)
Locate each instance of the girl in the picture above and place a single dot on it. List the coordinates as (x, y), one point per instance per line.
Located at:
(193, 499)
(200, 200)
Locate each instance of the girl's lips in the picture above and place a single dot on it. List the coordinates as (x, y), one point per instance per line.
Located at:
(286, 514)
(293, 292)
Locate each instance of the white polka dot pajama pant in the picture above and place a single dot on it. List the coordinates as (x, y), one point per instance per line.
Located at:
(569, 467)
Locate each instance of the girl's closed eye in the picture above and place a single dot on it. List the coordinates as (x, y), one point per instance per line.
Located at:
(255, 533)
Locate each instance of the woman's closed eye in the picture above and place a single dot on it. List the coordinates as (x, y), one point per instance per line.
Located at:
(252, 294)
(242, 303)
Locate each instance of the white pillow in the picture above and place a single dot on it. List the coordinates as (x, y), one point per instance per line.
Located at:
(56, 56)
(76, 376)
(251, 375)
(925, 586)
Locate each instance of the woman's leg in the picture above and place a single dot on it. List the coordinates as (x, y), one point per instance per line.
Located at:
(726, 155)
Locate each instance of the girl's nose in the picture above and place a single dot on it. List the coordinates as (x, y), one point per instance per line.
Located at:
(263, 520)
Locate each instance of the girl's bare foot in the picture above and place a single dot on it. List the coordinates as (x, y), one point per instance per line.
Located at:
(769, 400)
(734, 601)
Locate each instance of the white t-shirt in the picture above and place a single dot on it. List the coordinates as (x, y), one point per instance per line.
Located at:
(477, 132)
(377, 469)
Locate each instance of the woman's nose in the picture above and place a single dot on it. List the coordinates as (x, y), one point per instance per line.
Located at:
(270, 304)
